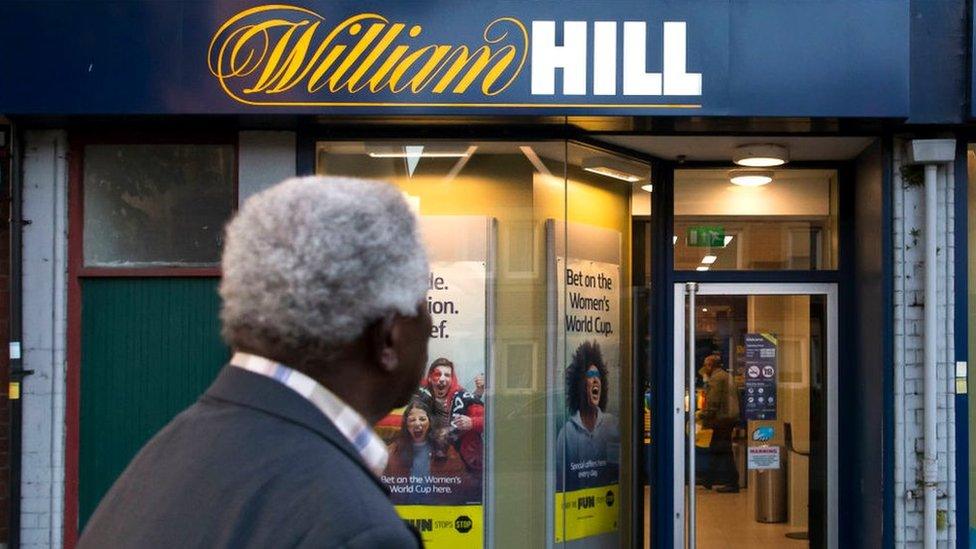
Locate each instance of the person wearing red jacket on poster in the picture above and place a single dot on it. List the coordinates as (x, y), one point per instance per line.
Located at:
(467, 410)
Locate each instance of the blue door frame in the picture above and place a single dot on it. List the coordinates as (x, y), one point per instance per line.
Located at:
(664, 277)
(964, 536)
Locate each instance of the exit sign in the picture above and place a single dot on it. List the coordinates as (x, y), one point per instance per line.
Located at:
(706, 237)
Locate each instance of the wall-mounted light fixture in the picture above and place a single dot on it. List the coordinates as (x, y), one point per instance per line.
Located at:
(748, 177)
(612, 167)
(761, 156)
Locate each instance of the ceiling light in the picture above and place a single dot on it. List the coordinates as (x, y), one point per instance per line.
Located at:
(704, 309)
(649, 187)
(612, 167)
(709, 259)
(702, 268)
(420, 155)
(750, 177)
(417, 151)
(760, 156)
(674, 240)
(728, 238)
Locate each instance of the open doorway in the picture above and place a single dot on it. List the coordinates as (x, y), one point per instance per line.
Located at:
(753, 366)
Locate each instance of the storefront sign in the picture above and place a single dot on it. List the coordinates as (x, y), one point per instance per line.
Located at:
(706, 237)
(647, 57)
(760, 375)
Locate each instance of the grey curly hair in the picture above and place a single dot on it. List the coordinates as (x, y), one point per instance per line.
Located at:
(309, 263)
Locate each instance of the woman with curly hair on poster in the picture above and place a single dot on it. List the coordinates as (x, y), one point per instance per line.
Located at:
(588, 445)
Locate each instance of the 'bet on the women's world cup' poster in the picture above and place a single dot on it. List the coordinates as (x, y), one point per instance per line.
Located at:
(436, 470)
(584, 381)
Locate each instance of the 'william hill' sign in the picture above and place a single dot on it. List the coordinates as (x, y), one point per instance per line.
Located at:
(293, 56)
(830, 58)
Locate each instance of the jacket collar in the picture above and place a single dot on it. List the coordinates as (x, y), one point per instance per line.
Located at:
(250, 390)
(577, 420)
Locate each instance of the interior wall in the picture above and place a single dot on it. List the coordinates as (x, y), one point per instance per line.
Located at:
(794, 193)
(788, 318)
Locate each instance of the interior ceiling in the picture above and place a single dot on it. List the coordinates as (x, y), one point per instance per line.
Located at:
(721, 148)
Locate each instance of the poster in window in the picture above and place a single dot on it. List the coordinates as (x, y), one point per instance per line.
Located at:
(436, 470)
(585, 384)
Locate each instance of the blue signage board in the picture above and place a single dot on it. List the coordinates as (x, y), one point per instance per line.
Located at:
(760, 377)
(837, 58)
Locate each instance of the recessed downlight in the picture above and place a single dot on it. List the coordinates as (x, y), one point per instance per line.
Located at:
(761, 155)
(749, 177)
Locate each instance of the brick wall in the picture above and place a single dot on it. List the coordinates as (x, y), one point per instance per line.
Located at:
(909, 302)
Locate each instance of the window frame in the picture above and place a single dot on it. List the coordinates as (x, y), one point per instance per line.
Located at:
(78, 141)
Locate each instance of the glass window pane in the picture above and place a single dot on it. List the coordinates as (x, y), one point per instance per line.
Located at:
(505, 224)
(789, 223)
(156, 205)
(531, 247)
(761, 420)
(607, 198)
(484, 210)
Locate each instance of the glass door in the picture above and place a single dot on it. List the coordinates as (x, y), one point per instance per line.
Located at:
(755, 417)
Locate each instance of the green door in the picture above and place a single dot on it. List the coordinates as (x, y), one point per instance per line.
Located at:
(149, 347)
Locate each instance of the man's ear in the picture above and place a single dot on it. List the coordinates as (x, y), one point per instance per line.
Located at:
(384, 338)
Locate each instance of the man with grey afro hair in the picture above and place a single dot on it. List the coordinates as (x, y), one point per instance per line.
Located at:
(324, 286)
(312, 261)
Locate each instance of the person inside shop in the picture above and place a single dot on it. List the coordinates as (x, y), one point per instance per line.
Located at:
(465, 411)
(588, 445)
(423, 464)
(323, 284)
(720, 414)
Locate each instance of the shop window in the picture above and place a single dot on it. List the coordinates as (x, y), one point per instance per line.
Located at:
(156, 205)
(789, 223)
(504, 224)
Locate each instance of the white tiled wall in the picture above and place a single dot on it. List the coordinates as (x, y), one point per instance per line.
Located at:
(909, 301)
(45, 319)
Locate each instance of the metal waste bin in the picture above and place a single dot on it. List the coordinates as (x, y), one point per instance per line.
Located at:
(771, 492)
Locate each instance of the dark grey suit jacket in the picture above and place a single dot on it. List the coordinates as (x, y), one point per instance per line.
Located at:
(251, 464)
